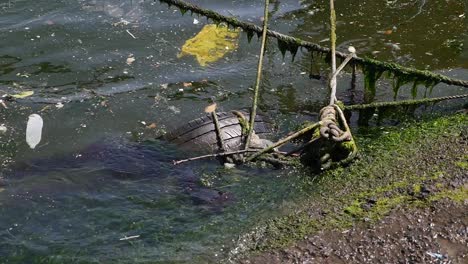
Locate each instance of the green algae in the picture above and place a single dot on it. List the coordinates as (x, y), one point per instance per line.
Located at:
(463, 163)
(399, 81)
(371, 75)
(250, 35)
(284, 46)
(459, 195)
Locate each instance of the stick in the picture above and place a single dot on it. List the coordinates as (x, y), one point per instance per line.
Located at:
(129, 237)
(218, 131)
(128, 31)
(284, 140)
(341, 67)
(176, 162)
(332, 81)
(253, 113)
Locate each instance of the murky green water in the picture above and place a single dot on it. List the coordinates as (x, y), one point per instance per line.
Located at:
(98, 176)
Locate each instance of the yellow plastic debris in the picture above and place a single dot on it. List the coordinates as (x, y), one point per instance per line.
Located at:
(23, 94)
(211, 43)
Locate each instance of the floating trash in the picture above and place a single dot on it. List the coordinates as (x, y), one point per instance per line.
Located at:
(211, 43)
(34, 130)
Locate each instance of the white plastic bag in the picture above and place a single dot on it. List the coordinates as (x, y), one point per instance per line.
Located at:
(34, 130)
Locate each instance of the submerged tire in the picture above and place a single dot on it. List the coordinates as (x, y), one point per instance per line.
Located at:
(200, 133)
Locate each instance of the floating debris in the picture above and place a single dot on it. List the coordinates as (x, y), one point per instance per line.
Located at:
(174, 109)
(211, 44)
(23, 94)
(130, 60)
(3, 128)
(34, 130)
(211, 108)
(152, 126)
(435, 255)
(129, 237)
(130, 33)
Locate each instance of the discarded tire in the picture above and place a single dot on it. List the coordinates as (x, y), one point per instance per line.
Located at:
(200, 134)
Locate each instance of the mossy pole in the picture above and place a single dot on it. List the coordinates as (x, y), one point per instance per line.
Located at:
(404, 102)
(253, 112)
(332, 81)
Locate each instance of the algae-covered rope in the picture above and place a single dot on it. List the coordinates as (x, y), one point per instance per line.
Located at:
(253, 112)
(296, 42)
(404, 102)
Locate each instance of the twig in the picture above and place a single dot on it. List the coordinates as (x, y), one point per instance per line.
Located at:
(253, 113)
(284, 140)
(176, 162)
(342, 65)
(129, 237)
(130, 33)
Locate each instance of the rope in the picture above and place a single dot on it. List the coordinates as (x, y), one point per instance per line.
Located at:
(329, 128)
(296, 42)
(253, 113)
(404, 102)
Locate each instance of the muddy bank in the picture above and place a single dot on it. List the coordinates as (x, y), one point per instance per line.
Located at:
(404, 201)
(435, 234)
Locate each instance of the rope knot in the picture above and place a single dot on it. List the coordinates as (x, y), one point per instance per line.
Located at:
(329, 128)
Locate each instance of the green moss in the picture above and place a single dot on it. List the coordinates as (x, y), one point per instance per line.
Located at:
(417, 188)
(341, 105)
(458, 195)
(399, 81)
(355, 209)
(385, 177)
(371, 75)
(349, 146)
(462, 164)
(384, 205)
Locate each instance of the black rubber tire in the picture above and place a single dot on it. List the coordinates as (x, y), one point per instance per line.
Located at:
(200, 134)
